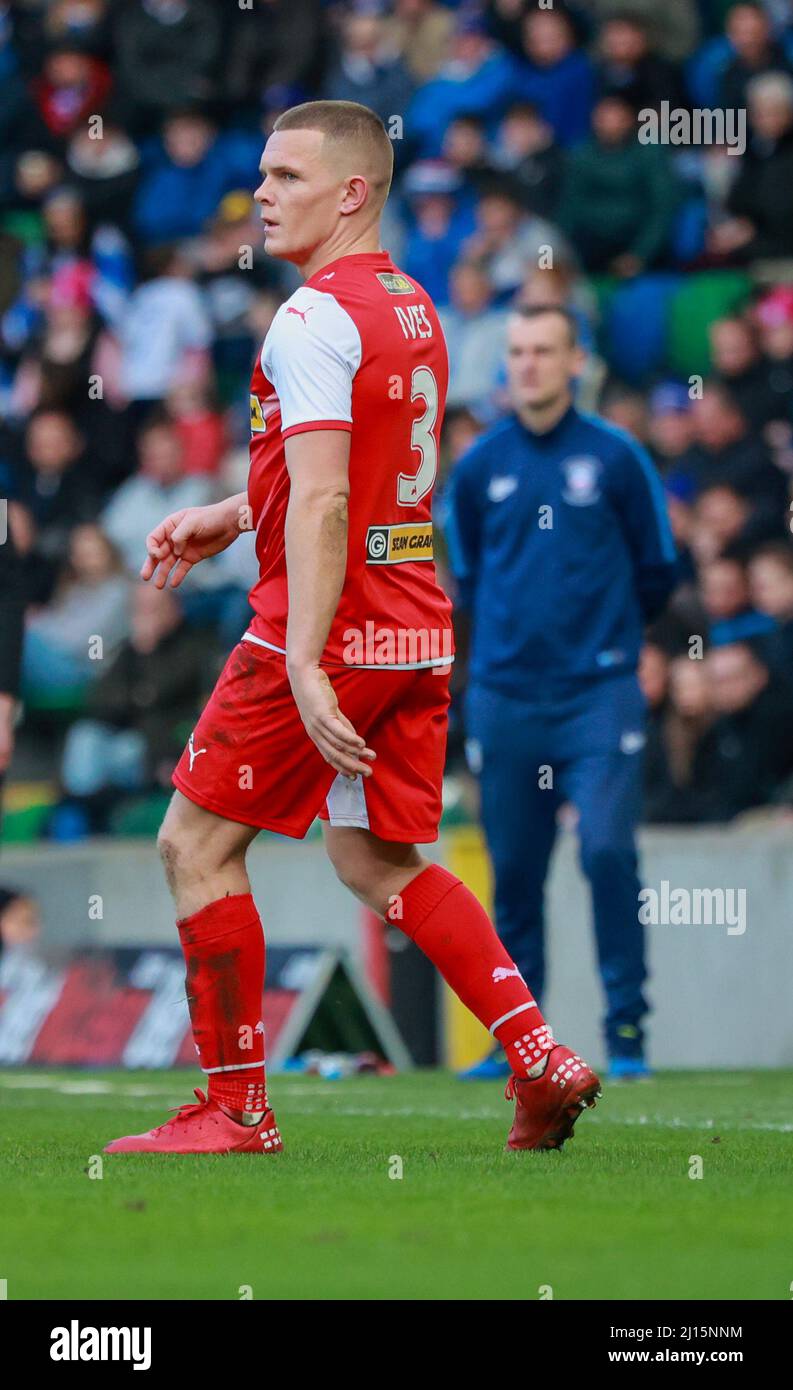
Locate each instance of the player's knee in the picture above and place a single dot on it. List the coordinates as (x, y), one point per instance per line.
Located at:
(172, 853)
(355, 876)
(356, 870)
(601, 857)
(178, 848)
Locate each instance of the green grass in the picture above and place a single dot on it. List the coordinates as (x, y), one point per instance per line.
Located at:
(614, 1216)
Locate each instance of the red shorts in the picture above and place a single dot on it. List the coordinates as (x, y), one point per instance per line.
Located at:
(250, 759)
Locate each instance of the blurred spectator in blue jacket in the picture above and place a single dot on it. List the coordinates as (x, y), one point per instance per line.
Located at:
(437, 225)
(187, 172)
(555, 74)
(479, 78)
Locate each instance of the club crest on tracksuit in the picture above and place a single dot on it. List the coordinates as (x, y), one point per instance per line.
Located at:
(582, 480)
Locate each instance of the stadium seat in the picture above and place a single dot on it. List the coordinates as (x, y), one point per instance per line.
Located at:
(61, 703)
(698, 300)
(139, 816)
(27, 806)
(636, 326)
(604, 288)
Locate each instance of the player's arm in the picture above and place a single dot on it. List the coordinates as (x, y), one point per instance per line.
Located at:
(193, 534)
(315, 536)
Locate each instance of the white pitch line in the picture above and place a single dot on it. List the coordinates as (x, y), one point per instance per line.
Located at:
(23, 1083)
(126, 1093)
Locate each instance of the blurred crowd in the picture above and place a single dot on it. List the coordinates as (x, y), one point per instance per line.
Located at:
(134, 296)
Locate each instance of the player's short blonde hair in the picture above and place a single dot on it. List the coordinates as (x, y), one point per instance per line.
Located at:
(358, 129)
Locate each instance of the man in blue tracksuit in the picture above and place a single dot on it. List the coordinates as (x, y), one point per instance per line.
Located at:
(561, 546)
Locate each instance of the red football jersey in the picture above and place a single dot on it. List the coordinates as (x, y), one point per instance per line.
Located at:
(358, 347)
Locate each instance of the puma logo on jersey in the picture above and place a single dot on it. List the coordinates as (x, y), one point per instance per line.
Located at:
(499, 489)
(193, 752)
(301, 313)
(329, 276)
(502, 973)
(413, 320)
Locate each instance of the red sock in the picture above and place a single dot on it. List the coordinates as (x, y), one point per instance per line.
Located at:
(223, 947)
(451, 927)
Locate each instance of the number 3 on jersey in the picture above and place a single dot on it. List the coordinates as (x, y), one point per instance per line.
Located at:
(412, 487)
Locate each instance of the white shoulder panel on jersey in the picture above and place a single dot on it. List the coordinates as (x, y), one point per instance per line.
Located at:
(311, 354)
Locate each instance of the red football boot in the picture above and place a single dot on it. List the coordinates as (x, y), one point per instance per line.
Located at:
(547, 1107)
(202, 1129)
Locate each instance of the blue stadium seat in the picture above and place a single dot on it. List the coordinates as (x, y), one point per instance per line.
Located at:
(636, 325)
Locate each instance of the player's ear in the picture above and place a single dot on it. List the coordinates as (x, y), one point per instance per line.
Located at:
(355, 194)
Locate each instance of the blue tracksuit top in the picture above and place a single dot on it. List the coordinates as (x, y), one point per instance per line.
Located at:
(561, 547)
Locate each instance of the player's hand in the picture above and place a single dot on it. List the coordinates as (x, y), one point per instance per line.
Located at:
(184, 538)
(325, 724)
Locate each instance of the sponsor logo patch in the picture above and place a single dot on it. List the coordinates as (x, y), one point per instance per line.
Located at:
(395, 545)
(258, 424)
(395, 284)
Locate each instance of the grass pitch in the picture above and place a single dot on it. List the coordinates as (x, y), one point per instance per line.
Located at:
(615, 1216)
